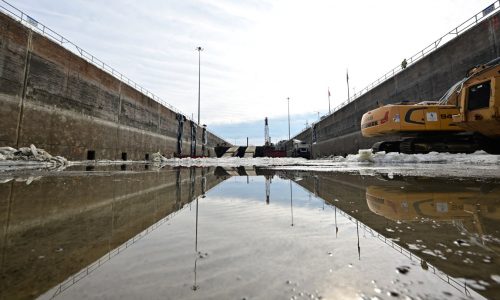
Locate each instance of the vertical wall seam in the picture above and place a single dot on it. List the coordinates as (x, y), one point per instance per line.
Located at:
(494, 22)
(118, 119)
(25, 83)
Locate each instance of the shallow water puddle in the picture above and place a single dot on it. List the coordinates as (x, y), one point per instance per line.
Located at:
(188, 233)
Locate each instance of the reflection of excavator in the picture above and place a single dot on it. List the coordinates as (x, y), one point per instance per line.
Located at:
(469, 205)
(465, 119)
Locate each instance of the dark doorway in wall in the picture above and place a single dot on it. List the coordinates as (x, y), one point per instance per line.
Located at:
(146, 156)
(90, 155)
(124, 155)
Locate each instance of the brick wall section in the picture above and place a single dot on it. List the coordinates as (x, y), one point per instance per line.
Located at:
(54, 99)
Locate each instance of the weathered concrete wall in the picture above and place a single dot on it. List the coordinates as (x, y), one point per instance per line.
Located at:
(45, 241)
(56, 100)
(428, 79)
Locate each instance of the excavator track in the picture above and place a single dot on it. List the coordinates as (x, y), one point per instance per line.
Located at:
(387, 146)
(457, 144)
(406, 146)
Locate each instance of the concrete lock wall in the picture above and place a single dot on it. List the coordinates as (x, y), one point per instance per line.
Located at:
(56, 100)
(428, 79)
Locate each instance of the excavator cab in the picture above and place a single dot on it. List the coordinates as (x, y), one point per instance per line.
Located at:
(479, 104)
(479, 96)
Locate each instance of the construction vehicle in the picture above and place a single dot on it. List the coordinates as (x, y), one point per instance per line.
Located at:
(269, 149)
(301, 149)
(464, 120)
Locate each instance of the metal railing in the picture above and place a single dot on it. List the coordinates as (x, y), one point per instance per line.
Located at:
(459, 286)
(40, 28)
(452, 34)
(73, 279)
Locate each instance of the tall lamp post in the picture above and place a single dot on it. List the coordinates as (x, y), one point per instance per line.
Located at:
(199, 49)
(288, 99)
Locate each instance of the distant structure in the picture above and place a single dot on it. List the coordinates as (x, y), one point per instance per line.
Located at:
(267, 138)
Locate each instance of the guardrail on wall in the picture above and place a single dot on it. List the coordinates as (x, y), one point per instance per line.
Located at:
(40, 28)
(450, 35)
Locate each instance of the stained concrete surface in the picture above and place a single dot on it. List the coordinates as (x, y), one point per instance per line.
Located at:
(56, 100)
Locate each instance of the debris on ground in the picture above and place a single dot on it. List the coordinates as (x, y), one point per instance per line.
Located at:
(158, 158)
(12, 156)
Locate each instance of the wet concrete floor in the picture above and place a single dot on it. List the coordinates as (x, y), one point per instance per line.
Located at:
(138, 232)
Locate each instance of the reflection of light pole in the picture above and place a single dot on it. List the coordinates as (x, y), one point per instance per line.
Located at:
(195, 286)
(291, 201)
(288, 99)
(196, 232)
(357, 233)
(199, 49)
(336, 227)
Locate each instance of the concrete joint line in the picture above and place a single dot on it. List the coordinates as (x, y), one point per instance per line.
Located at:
(25, 83)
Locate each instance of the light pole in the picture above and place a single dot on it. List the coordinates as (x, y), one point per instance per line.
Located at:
(288, 99)
(199, 49)
(347, 77)
(329, 110)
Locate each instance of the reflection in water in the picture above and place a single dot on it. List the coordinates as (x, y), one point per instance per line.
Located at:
(452, 223)
(336, 226)
(467, 207)
(457, 284)
(56, 225)
(77, 223)
(197, 253)
(268, 187)
(357, 234)
(246, 218)
(195, 286)
(291, 200)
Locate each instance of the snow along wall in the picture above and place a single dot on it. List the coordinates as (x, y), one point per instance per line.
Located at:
(56, 100)
(427, 79)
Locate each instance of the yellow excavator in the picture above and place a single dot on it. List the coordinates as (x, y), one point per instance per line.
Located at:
(464, 120)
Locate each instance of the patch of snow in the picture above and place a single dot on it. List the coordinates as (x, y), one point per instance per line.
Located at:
(158, 158)
(495, 278)
(478, 164)
(28, 158)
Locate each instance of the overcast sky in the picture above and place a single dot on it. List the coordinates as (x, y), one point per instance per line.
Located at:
(256, 52)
